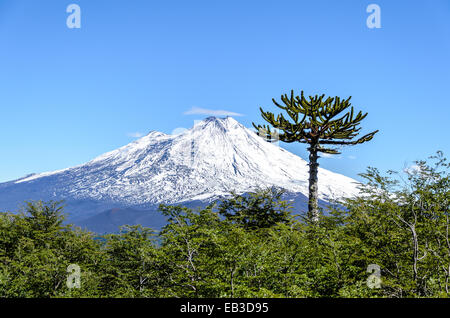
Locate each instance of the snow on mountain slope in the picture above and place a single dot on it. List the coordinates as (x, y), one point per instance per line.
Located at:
(216, 156)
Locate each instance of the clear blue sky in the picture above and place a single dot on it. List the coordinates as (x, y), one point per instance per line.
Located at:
(68, 95)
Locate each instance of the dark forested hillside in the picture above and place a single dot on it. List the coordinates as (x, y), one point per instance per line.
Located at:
(391, 241)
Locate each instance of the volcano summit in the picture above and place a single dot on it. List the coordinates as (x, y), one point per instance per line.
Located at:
(202, 164)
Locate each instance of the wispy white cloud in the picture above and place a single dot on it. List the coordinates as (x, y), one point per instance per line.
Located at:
(412, 169)
(326, 155)
(210, 112)
(329, 156)
(135, 134)
(352, 157)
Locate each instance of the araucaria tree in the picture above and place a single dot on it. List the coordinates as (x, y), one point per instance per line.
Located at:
(322, 124)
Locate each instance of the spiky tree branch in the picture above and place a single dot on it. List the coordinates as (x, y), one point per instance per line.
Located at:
(315, 121)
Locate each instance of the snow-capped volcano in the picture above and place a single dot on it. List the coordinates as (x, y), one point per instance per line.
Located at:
(216, 156)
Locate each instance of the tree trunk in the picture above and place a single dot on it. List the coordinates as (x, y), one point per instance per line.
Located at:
(232, 282)
(313, 207)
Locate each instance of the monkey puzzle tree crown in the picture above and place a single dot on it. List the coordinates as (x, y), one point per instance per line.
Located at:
(316, 122)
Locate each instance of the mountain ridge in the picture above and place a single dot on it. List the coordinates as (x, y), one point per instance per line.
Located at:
(204, 163)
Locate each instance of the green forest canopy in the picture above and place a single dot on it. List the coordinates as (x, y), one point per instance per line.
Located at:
(247, 247)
